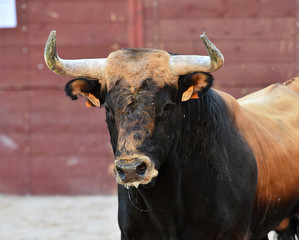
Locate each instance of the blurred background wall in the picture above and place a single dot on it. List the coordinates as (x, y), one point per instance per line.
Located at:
(51, 145)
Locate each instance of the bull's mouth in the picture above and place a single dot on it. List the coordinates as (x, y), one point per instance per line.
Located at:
(134, 170)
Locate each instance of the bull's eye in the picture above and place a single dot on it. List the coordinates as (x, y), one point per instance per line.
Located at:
(168, 106)
(164, 112)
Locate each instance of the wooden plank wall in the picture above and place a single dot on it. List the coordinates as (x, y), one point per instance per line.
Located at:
(50, 145)
(257, 37)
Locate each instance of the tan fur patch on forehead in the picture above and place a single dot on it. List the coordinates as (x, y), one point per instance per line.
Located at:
(135, 65)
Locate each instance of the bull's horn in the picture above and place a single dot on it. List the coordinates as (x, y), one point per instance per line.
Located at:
(90, 68)
(184, 64)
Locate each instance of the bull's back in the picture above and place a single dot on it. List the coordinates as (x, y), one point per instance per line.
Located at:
(269, 121)
(277, 109)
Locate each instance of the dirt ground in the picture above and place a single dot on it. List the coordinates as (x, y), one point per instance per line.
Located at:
(59, 218)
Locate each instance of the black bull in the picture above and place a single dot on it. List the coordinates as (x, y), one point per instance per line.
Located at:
(191, 161)
(206, 185)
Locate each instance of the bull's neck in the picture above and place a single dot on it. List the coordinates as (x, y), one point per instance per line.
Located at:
(206, 123)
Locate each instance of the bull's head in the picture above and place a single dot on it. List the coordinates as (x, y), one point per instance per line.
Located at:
(142, 91)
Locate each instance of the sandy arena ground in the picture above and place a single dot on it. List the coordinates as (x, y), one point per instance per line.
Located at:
(58, 218)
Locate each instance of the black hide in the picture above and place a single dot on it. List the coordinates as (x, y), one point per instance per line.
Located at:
(207, 173)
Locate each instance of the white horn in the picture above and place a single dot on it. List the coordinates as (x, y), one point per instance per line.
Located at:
(90, 68)
(184, 64)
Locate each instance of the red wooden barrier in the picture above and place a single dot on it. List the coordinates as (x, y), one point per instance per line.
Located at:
(51, 145)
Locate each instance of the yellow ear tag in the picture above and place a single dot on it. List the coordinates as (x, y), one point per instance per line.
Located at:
(88, 104)
(94, 100)
(187, 94)
(194, 96)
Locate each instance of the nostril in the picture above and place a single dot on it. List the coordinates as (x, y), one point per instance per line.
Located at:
(120, 173)
(141, 168)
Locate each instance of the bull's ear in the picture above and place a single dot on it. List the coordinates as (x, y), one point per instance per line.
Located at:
(196, 84)
(89, 89)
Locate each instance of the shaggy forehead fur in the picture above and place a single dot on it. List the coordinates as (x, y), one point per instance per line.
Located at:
(135, 65)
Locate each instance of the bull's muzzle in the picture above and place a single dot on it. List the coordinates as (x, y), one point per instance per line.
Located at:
(134, 171)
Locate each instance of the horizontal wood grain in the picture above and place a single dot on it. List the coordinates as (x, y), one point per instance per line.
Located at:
(101, 12)
(218, 8)
(228, 28)
(52, 145)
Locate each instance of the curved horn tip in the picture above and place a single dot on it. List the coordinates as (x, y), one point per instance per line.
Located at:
(50, 54)
(204, 36)
(51, 38)
(53, 33)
